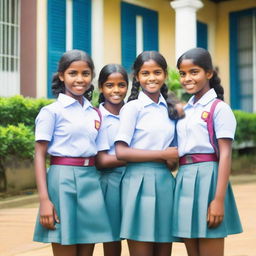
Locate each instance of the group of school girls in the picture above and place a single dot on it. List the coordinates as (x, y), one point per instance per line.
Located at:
(110, 174)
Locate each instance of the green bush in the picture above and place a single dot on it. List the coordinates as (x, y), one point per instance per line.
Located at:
(246, 127)
(174, 85)
(16, 140)
(17, 109)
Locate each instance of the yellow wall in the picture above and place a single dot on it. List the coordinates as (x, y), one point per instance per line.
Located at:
(112, 32)
(112, 28)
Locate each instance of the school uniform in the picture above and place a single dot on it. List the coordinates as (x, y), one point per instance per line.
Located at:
(75, 191)
(111, 177)
(196, 182)
(147, 187)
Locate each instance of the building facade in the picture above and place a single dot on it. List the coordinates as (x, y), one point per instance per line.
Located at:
(35, 33)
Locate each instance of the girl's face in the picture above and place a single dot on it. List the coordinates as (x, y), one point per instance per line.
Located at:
(114, 89)
(151, 78)
(194, 79)
(77, 79)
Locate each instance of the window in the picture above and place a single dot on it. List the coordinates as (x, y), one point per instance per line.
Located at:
(9, 47)
(139, 32)
(243, 60)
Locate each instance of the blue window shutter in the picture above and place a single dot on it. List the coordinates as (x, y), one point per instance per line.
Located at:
(128, 34)
(128, 26)
(150, 30)
(56, 37)
(235, 89)
(82, 25)
(202, 35)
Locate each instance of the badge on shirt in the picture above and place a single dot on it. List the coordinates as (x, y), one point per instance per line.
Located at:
(205, 115)
(97, 124)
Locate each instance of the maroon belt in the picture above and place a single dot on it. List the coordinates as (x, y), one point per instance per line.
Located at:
(197, 158)
(76, 161)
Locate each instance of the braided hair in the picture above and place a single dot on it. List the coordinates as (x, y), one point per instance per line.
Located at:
(105, 72)
(67, 58)
(202, 58)
(160, 60)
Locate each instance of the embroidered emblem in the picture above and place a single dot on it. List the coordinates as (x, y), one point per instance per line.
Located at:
(205, 115)
(97, 124)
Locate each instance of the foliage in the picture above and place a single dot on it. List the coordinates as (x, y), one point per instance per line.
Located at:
(16, 140)
(246, 127)
(17, 109)
(174, 85)
(95, 97)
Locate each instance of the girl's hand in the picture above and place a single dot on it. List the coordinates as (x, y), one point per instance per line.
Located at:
(48, 215)
(172, 164)
(215, 213)
(171, 153)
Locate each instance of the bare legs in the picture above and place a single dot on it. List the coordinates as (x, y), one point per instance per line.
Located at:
(112, 248)
(137, 248)
(72, 250)
(205, 246)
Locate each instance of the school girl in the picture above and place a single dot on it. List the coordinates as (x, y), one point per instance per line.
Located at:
(204, 207)
(143, 140)
(72, 213)
(113, 86)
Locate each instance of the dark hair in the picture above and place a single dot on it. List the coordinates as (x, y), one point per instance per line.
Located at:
(64, 62)
(106, 71)
(138, 63)
(202, 58)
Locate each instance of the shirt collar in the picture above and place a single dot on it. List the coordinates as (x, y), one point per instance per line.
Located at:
(205, 99)
(147, 101)
(66, 101)
(105, 112)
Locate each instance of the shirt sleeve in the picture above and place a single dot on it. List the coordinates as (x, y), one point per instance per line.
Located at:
(45, 123)
(102, 139)
(224, 121)
(128, 120)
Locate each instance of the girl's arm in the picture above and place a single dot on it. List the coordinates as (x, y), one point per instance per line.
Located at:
(48, 215)
(125, 153)
(216, 207)
(105, 160)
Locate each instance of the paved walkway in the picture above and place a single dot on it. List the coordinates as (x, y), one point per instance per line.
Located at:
(16, 229)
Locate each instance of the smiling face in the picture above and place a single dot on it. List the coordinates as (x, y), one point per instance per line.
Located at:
(77, 79)
(114, 89)
(194, 79)
(151, 78)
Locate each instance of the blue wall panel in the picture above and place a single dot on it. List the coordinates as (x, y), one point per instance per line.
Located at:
(82, 25)
(202, 35)
(56, 29)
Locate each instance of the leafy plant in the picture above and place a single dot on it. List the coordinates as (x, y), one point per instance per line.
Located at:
(174, 85)
(15, 141)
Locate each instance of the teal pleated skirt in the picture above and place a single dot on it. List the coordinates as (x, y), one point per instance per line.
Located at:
(111, 186)
(78, 199)
(147, 201)
(195, 189)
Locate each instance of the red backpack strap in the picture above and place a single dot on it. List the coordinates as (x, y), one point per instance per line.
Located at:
(99, 113)
(210, 127)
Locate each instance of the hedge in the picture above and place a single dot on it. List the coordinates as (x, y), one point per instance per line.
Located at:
(17, 109)
(246, 127)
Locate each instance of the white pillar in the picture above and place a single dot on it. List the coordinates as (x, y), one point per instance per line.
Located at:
(185, 27)
(97, 34)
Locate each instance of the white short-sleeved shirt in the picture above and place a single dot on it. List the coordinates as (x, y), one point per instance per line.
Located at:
(108, 131)
(70, 128)
(145, 124)
(193, 136)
